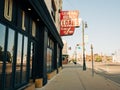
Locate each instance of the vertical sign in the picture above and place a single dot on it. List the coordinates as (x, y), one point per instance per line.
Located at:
(69, 20)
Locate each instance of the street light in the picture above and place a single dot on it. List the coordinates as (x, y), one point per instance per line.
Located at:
(84, 25)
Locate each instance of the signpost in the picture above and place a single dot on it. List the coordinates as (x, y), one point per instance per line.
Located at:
(92, 60)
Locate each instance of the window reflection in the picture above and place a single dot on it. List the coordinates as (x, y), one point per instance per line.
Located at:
(31, 59)
(7, 57)
(19, 48)
(58, 56)
(50, 51)
(25, 50)
(2, 40)
(21, 66)
(18, 62)
(10, 48)
(24, 69)
(49, 59)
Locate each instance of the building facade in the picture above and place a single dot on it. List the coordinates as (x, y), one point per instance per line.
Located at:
(54, 7)
(116, 56)
(30, 44)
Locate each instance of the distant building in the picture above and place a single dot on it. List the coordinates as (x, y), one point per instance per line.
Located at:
(99, 58)
(65, 53)
(54, 7)
(65, 47)
(116, 56)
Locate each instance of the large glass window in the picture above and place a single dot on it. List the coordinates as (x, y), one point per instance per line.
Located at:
(58, 56)
(32, 60)
(9, 58)
(49, 59)
(50, 51)
(18, 61)
(10, 46)
(2, 40)
(21, 63)
(24, 68)
(19, 49)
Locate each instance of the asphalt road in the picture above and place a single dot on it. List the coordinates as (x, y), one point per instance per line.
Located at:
(109, 70)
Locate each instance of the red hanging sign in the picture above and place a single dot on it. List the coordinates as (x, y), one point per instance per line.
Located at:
(69, 20)
(65, 31)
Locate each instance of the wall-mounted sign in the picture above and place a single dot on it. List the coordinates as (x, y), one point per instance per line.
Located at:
(69, 20)
(65, 31)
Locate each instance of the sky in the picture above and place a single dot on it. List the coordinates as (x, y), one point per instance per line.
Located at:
(103, 20)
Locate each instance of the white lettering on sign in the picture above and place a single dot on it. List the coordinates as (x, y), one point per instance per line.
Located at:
(69, 18)
(69, 22)
(70, 14)
(8, 9)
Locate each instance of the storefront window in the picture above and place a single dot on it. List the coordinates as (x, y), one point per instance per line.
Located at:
(19, 48)
(49, 59)
(21, 63)
(31, 59)
(50, 51)
(18, 62)
(24, 68)
(9, 56)
(2, 40)
(10, 46)
(58, 56)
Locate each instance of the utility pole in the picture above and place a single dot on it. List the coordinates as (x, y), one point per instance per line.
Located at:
(83, 44)
(92, 60)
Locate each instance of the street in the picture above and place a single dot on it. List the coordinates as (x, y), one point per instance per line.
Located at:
(109, 70)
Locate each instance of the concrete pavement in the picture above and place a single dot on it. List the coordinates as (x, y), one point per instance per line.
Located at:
(72, 77)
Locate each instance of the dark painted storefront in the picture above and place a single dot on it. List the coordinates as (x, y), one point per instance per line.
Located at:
(30, 46)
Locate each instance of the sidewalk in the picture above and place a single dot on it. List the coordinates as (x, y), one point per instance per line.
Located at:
(72, 77)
